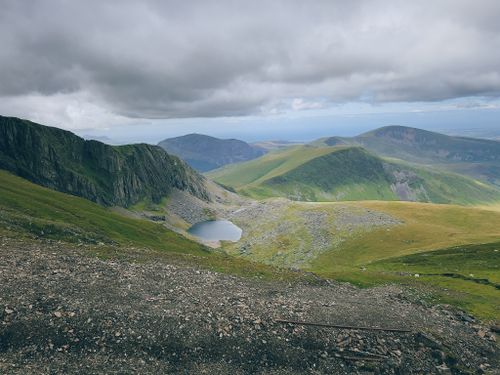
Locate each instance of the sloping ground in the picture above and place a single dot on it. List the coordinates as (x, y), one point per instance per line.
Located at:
(426, 227)
(292, 234)
(62, 311)
(399, 141)
(477, 158)
(37, 211)
(467, 276)
(349, 173)
(270, 165)
(108, 175)
(342, 240)
(29, 211)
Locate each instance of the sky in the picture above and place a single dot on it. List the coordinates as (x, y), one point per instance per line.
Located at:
(141, 71)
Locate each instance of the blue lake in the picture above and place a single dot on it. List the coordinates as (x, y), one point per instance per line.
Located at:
(215, 230)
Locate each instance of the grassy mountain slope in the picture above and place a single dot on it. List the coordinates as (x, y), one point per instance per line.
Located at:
(477, 158)
(366, 243)
(32, 213)
(348, 173)
(108, 175)
(434, 242)
(45, 213)
(270, 165)
(205, 153)
(467, 276)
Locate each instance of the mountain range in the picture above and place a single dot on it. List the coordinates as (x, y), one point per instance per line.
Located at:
(342, 173)
(478, 158)
(205, 153)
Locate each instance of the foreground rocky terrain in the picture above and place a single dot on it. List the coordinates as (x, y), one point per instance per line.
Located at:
(64, 311)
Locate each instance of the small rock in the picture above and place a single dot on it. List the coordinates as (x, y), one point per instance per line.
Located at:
(443, 369)
(8, 311)
(58, 314)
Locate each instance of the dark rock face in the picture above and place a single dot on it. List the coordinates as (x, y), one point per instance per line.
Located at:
(205, 153)
(108, 175)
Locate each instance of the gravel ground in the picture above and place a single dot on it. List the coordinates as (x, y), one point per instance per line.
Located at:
(63, 312)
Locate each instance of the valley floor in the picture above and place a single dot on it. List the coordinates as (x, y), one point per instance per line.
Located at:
(64, 311)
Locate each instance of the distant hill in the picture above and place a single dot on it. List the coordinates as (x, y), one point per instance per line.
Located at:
(348, 173)
(423, 145)
(109, 175)
(275, 145)
(205, 153)
(478, 158)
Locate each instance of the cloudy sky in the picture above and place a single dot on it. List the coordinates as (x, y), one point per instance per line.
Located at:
(141, 70)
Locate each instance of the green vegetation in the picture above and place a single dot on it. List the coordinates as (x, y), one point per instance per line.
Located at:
(42, 212)
(33, 212)
(395, 254)
(476, 158)
(270, 165)
(467, 276)
(339, 240)
(346, 173)
(108, 175)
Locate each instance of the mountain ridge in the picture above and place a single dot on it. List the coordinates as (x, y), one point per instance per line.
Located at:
(108, 175)
(348, 173)
(420, 145)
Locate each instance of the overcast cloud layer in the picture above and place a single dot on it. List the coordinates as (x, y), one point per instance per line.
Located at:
(96, 62)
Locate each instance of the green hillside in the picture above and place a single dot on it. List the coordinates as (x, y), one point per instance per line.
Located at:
(477, 158)
(270, 165)
(36, 213)
(465, 275)
(108, 175)
(375, 242)
(41, 212)
(346, 173)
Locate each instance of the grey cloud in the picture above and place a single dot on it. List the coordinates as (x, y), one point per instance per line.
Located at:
(167, 59)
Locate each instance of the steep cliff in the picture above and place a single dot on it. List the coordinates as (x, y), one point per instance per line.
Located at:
(108, 175)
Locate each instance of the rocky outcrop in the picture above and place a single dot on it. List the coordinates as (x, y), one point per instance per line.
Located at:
(108, 175)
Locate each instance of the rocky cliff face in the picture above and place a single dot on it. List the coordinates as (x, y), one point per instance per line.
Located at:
(109, 175)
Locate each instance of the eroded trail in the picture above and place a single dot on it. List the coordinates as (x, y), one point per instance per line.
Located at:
(62, 311)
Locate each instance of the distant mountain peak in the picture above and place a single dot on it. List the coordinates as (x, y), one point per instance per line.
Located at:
(204, 152)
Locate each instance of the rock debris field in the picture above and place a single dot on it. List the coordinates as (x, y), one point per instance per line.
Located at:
(63, 312)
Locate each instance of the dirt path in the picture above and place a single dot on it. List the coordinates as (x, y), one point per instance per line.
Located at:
(64, 312)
